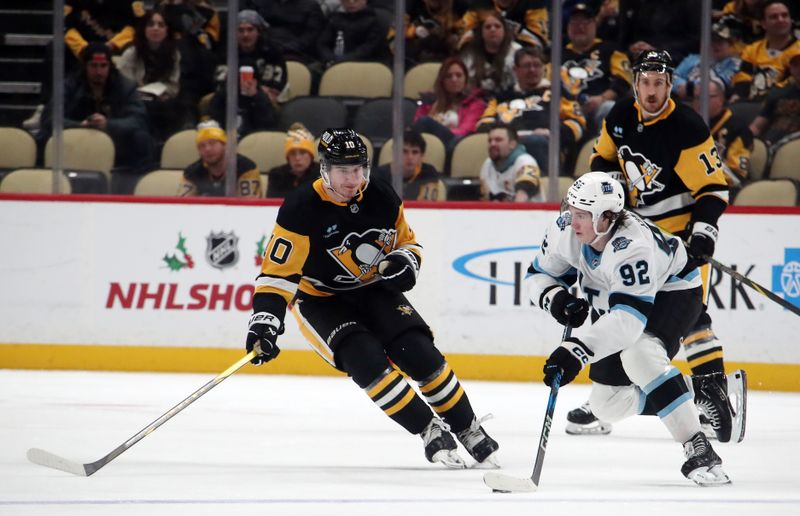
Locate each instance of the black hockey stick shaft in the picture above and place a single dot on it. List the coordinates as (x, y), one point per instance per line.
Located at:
(548, 418)
(752, 284)
(51, 460)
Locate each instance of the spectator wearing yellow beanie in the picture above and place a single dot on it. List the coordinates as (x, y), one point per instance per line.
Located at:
(206, 176)
(300, 167)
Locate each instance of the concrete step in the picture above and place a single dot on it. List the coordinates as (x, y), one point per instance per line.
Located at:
(20, 87)
(24, 40)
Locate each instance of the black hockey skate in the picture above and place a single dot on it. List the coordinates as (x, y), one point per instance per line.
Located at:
(703, 466)
(479, 444)
(722, 403)
(440, 446)
(581, 421)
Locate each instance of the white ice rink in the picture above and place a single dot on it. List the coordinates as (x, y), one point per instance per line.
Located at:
(280, 445)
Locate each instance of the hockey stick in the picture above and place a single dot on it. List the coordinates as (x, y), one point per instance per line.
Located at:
(752, 284)
(501, 483)
(51, 460)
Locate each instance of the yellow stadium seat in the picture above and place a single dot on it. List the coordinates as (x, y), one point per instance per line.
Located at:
(160, 183)
(84, 149)
(469, 154)
(768, 192)
(180, 150)
(33, 180)
(356, 79)
(18, 148)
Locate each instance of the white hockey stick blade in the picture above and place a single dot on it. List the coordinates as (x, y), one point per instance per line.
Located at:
(502, 483)
(50, 460)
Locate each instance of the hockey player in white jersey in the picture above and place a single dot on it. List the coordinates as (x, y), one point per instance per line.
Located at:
(642, 298)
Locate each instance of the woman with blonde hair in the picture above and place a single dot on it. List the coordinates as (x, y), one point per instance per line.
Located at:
(453, 108)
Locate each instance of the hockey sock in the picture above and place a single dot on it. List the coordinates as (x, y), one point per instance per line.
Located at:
(392, 394)
(446, 396)
(415, 354)
(363, 358)
(668, 397)
(703, 352)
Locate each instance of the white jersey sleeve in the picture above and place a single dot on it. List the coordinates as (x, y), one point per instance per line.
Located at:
(551, 268)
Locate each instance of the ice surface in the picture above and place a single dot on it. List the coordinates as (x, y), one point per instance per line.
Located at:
(291, 445)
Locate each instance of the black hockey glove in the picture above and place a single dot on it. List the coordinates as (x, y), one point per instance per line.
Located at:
(701, 243)
(399, 270)
(568, 309)
(262, 335)
(569, 357)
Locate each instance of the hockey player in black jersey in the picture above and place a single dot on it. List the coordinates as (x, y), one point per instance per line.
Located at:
(341, 255)
(665, 157)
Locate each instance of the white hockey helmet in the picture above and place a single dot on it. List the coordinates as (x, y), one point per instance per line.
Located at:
(597, 193)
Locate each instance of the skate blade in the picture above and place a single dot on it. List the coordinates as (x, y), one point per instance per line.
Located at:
(490, 462)
(449, 458)
(596, 428)
(706, 477)
(739, 403)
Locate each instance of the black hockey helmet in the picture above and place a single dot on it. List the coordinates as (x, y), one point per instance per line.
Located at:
(341, 147)
(658, 61)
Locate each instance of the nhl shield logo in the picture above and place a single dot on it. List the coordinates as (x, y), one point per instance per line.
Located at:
(222, 249)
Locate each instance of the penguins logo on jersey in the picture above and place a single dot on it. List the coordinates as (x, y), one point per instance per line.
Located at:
(577, 81)
(359, 253)
(641, 174)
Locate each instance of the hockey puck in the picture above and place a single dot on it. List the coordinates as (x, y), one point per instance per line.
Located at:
(499, 491)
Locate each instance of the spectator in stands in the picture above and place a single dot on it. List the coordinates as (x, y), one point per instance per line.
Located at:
(596, 71)
(527, 20)
(732, 137)
(526, 107)
(354, 34)
(780, 115)
(432, 29)
(724, 62)
(453, 108)
(420, 180)
(196, 26)
(153, 63)
(206, 176)
(655, 24)
(259, 91)
(749, 14)
(489, 56)
(294, 25)
(509, 173)
(765, 62)
(300, 166)
(97, 96)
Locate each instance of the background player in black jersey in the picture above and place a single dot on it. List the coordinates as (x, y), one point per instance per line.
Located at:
(341, 255)
(665, 157)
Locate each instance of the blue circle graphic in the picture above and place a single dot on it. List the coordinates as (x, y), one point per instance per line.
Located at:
(460, 263)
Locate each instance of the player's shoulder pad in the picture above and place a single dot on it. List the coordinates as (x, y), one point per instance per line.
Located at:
(622, 112)
(689, 125)
(298, 208)
(382, 191)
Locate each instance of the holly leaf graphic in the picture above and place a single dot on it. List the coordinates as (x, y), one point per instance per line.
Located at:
(173, 262)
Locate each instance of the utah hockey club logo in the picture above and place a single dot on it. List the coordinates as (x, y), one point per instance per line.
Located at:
(641, 174)
(359, 254)
(222, 249)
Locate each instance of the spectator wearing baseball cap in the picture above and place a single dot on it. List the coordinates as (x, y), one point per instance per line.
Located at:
(724, 61)
(780, 115)
(300, 166)
(206, 176)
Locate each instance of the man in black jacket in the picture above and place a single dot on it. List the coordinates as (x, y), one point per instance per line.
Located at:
(354, 34)
(98, 97)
